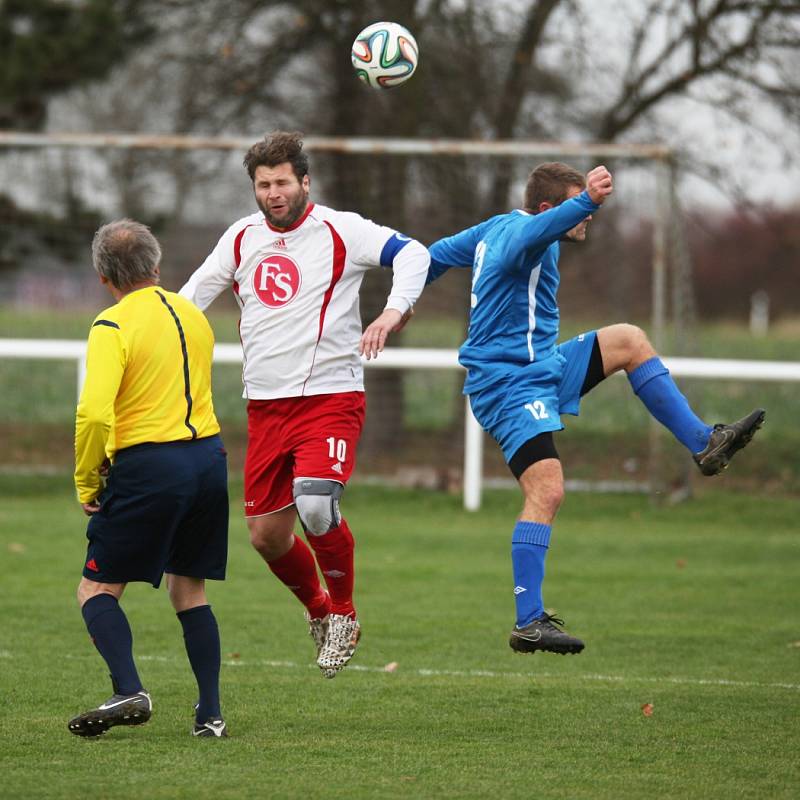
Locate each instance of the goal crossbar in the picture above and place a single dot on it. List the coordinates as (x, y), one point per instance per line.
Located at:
(334, 144)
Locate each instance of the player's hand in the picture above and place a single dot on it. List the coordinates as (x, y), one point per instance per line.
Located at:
(403, 321)
(374, 337)
(599, 184)
(91, 508)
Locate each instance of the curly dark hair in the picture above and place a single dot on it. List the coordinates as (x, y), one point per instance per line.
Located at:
(549, 183)
(276, 148)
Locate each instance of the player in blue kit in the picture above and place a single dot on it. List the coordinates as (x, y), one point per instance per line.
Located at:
(520, 380)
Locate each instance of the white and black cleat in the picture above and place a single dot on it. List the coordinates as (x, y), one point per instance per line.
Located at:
(121, 709)
(344, 632)
(211, 728)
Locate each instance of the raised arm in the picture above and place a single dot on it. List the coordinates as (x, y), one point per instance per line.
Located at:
(457, 250)
(215, 274)
(550, 225)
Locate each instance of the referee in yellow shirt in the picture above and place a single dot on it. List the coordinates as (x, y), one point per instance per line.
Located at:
(145, 421)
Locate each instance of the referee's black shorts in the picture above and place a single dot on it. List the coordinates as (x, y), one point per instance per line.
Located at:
(164, 509)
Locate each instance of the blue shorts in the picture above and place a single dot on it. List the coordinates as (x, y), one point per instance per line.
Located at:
(164, 509)
(519, 407)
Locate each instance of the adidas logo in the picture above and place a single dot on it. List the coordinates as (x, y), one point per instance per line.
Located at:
(92, 565)
(337, 467)
(519, 589)
(280, 244)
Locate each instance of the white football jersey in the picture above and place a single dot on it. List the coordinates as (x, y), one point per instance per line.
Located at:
(297, 290)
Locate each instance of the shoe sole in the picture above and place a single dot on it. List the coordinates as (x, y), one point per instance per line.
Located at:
(523, 647)
(718, 463)
(97, 721)
(330, 672)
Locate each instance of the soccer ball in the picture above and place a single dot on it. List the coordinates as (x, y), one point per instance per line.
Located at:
(384, 54)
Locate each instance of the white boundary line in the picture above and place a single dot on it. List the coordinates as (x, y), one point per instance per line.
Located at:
(483, 673)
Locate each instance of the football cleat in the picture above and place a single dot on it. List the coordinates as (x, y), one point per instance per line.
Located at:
(211, 728)
(542, 634)
(121, 709)
(726, 440)
(318, 630)
(344, 632)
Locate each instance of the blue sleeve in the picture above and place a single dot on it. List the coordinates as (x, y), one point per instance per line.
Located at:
(453, 251)
(546, 227)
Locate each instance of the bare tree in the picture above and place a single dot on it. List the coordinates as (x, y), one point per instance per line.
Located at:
(727, 39)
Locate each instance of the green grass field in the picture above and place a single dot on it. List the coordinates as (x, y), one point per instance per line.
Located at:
(692, 609)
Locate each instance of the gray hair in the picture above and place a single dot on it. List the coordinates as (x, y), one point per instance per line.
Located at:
(126, 253)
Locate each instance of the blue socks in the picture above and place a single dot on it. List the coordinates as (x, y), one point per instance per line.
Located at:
(654, 386)
(108, 626)
(201, 636)
(528, 551)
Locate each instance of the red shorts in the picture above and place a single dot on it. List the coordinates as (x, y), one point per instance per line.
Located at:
(298, 437)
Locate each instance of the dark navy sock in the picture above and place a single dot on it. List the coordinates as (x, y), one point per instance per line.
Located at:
(201, 635)
(108, 626)
(654, 386)
(528, 551)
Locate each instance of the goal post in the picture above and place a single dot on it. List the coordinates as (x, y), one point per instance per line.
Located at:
(56, 188)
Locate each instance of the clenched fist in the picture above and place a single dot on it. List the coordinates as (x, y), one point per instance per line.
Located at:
(599, 184)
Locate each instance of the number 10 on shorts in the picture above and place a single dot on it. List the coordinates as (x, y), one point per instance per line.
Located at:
(337, 448)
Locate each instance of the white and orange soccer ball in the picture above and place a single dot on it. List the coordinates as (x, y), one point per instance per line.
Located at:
(384, 55)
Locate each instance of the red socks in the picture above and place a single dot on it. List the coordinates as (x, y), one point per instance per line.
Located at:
(334, 552)
(298, 570)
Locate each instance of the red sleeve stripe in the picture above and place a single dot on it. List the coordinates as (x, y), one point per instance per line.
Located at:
(339, 254)
(237, 245)
(237, 253)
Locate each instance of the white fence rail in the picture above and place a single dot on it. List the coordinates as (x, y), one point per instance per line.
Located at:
(430, 358)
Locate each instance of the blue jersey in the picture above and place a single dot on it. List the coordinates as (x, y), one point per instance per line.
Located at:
(514, 313)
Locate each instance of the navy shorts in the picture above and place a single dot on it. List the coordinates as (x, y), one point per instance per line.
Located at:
(164, 509)
(517, 409)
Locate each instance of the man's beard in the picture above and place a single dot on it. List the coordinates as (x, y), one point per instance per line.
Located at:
(294, 212)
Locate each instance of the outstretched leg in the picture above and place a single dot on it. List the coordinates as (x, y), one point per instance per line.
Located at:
(626, 347)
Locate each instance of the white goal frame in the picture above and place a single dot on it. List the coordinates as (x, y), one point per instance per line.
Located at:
(659, 157)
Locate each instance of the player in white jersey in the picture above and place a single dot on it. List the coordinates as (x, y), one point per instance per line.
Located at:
(296, 269)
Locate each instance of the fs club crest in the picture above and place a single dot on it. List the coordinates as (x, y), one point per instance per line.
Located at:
(276, 281)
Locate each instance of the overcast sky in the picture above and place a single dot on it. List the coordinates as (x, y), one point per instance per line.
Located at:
(754, 159)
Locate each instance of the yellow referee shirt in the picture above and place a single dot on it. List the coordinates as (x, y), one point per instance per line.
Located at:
(148, 379)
